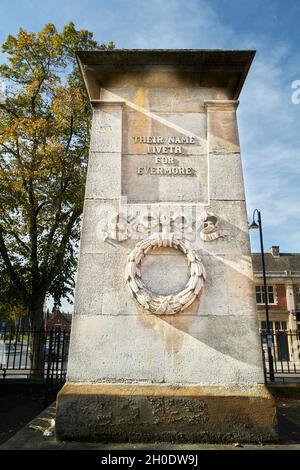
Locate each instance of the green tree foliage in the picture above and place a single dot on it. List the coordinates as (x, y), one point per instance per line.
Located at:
(44, 138)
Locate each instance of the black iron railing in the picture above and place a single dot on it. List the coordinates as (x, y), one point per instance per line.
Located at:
(37, 355)
(42, 356)
(285, 347)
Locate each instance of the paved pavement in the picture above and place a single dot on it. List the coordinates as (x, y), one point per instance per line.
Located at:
(288, 420)
(16, 411)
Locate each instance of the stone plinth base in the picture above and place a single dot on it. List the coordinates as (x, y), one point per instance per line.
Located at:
(177, 413)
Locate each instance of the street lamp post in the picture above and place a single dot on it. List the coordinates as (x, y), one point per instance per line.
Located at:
(258, 225)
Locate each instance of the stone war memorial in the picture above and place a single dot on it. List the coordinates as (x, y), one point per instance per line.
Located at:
(165, 343)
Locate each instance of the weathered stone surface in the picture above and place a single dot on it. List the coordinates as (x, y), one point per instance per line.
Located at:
(222, 126)
(231, 219)
(228, 289)
(105, 167)
(166, 97)
(106, 129)
(185, 348)
(226, 177)
(88, 297)
(163, 273)
(94, 225)
(119, 412)
(116, 343)
(165, 188)
(161, 124)
(115, 348)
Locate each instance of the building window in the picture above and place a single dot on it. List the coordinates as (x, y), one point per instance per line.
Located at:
(263, 325)
(279, 326)
(260, 294)
(297, 293)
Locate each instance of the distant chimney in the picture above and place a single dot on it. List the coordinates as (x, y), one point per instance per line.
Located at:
(275, 251)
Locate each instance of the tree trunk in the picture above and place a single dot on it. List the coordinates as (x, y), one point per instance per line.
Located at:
(37, 337)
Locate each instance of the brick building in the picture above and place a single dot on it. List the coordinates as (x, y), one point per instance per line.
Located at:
(283, 286)
(59, 320)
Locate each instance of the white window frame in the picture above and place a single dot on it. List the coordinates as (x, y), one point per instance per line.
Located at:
(262, 292)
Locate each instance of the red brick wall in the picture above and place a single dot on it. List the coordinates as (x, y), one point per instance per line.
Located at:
(58, 319)
(281, 296)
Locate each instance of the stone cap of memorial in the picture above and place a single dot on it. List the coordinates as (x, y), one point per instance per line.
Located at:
(220, 68)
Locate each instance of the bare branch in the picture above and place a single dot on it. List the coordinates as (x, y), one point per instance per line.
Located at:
(39, 207)
(8, 149)
(8, 110)
(20, 241)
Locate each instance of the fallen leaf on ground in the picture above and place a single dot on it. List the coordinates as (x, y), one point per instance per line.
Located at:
(36, 428)
(47, 420)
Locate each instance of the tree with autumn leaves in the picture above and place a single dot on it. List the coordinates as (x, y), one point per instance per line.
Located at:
(44, 139)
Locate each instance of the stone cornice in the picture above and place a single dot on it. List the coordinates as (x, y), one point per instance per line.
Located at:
(214, 68)
(99, 103)
(212, 105)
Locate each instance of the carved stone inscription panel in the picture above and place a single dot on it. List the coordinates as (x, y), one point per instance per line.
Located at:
(164, 157)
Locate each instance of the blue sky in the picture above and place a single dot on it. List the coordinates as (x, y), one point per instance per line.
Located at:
(269, 123)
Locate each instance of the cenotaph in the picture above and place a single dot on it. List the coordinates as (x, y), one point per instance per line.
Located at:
(165, 342)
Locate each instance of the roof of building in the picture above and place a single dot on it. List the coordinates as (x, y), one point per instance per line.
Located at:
(68, 316)
(215, 67)
(283, 262)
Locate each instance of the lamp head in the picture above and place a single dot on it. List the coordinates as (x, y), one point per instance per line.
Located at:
(253, 226)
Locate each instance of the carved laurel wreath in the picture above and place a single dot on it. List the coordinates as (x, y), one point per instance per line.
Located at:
(167, 304)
